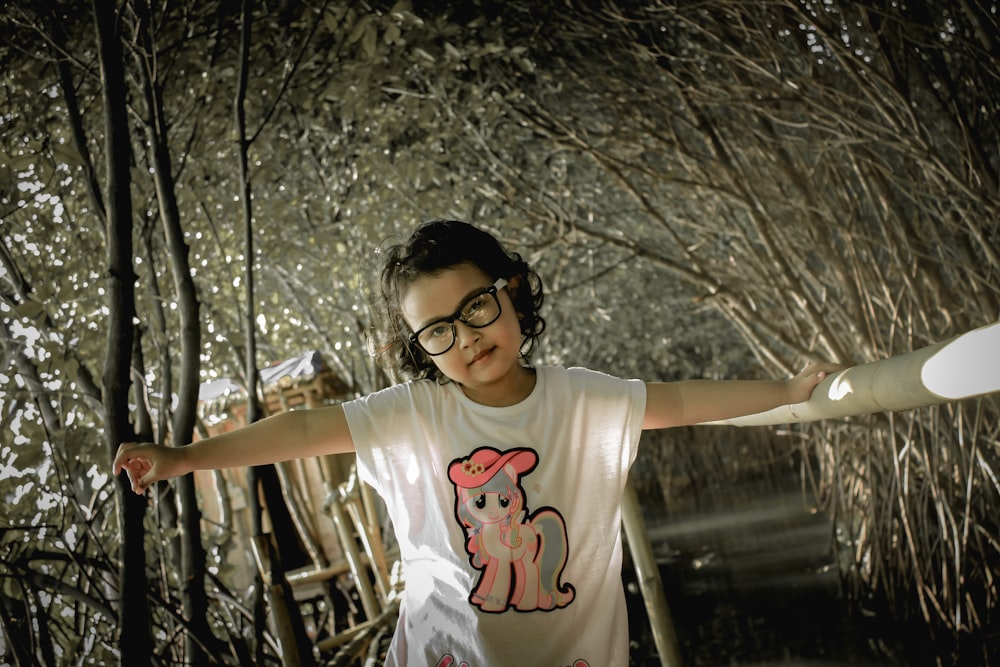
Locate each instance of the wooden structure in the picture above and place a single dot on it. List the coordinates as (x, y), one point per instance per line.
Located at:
(344, 580)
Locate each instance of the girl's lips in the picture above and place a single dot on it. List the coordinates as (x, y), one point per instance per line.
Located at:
(480, 356)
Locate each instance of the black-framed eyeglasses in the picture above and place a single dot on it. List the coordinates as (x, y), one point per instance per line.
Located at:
(482, 309)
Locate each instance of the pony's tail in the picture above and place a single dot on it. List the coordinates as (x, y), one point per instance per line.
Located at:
(553, 551)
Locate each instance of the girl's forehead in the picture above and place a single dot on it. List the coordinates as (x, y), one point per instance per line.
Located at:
(440, 293)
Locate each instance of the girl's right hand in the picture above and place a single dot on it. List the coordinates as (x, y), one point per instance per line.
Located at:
(147, 463)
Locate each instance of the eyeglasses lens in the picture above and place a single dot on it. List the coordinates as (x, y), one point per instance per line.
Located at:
(479, 311)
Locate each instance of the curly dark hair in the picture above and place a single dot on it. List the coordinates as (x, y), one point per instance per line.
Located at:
(434, 246)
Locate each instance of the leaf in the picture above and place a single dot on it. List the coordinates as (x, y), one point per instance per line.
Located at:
(30, 309)
(23, 162)
(391, 34)
(369, 40)
(6, 176)
(359, 29)
(71, 365)
(43, 293)
(423, 54)
(331, 21)
(66, 154)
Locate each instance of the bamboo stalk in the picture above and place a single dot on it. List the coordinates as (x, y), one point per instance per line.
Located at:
(350, 547)
(963, 367)
(660, 619)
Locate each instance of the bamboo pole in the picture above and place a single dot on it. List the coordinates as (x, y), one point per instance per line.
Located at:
(661, 621)
(963, 367)
(296, 649)
(350, 547)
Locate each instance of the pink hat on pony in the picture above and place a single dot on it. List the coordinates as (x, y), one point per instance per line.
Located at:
(484, 463)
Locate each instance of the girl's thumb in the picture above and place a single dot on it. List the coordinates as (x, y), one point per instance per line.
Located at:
(147, 480)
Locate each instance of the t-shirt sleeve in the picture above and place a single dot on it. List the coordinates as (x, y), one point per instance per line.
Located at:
(636, 415)
(622, 401)
(379, 424)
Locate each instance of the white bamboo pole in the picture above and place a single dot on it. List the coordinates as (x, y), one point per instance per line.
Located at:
(963, 367)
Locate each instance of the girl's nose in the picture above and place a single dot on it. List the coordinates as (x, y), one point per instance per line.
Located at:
(465, 334)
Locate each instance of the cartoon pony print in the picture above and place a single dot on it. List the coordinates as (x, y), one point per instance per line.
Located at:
(448, 661)
(520, 558)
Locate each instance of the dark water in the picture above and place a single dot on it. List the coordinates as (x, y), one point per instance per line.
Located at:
(751, 580)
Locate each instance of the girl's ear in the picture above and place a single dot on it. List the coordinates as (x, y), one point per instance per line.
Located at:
(513, 283)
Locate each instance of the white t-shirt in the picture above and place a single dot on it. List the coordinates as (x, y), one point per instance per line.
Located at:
(508, 519)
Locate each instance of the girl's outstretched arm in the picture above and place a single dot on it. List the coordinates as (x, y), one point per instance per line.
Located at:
(287, 435)
(696, 401)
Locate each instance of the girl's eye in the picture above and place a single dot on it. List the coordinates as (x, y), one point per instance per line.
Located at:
(481, 501)
(438, 331)
(475, 307)
(504, 501)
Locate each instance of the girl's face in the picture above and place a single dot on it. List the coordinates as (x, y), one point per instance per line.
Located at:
(485, 361)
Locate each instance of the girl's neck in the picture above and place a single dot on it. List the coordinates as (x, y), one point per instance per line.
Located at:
(511, 391)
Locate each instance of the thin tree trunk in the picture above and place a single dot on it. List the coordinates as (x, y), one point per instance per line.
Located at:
(193, 595)
(296, 648)
(135, 640)
(250, 361)
(143, 428)
(246, 208)
(160, 321)
(166, 503)
(93, 187)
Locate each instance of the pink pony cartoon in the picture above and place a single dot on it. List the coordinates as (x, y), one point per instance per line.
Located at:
(520, 558)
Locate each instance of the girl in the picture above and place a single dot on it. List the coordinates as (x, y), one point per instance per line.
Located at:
(503, 481)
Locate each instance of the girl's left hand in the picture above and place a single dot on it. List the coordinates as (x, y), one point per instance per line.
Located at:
(800, 387)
